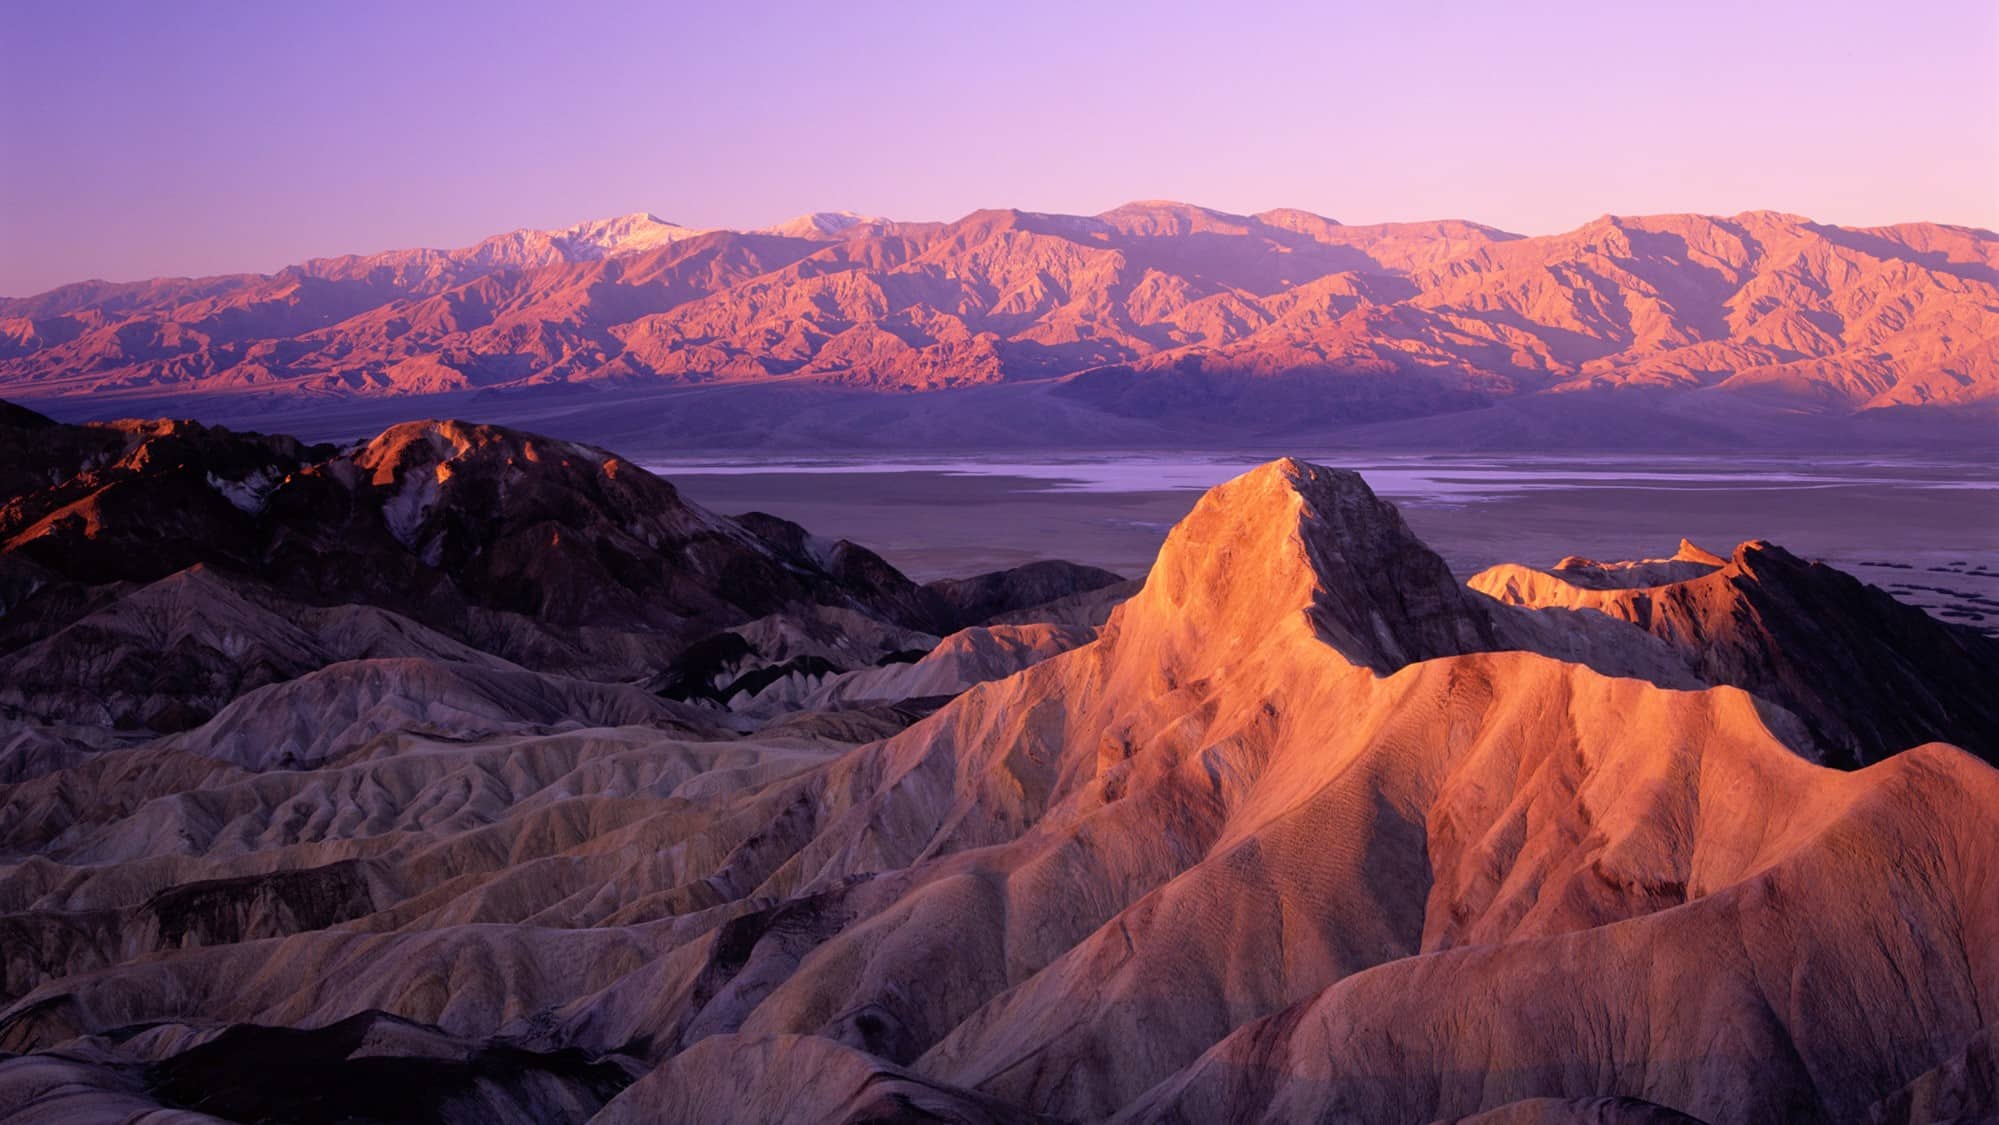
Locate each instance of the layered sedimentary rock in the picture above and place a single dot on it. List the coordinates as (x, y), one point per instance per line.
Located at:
(1306, 830)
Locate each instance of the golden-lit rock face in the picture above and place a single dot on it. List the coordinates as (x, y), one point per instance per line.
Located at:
(1306, 830)
(1164, 303)
(1868, 675)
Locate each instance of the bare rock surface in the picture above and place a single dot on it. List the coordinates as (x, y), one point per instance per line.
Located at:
(153, 572)
(967, 657)
(1306, 829)
(1869, 675)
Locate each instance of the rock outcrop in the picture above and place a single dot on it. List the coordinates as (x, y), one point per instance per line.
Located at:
(1868, 675)
(1306, 830)
(151, 573)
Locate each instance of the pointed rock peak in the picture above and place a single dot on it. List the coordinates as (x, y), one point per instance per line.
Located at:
(1381, 596)
(1293, 544)
(1762, 559)
(1689, 552)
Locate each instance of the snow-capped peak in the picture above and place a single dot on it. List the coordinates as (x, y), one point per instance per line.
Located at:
(820, 224)
(626, 234)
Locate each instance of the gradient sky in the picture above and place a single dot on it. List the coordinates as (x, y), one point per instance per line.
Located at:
(202, 136)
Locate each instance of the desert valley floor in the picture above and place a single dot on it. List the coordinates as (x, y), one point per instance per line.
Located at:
(464, 774)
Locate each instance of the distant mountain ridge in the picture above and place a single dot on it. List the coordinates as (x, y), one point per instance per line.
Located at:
(1149, 308)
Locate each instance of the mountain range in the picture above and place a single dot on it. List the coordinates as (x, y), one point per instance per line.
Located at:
(1150, 322)
(466, 774)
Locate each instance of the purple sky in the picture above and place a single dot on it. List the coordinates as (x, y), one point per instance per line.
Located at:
(204, 136)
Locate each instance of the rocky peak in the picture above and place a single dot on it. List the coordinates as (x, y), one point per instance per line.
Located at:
(459, 446)
(1292, 543)
(1690, 552)
(498, 462)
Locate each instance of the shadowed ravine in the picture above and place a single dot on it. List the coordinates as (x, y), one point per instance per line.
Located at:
(468, 775)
